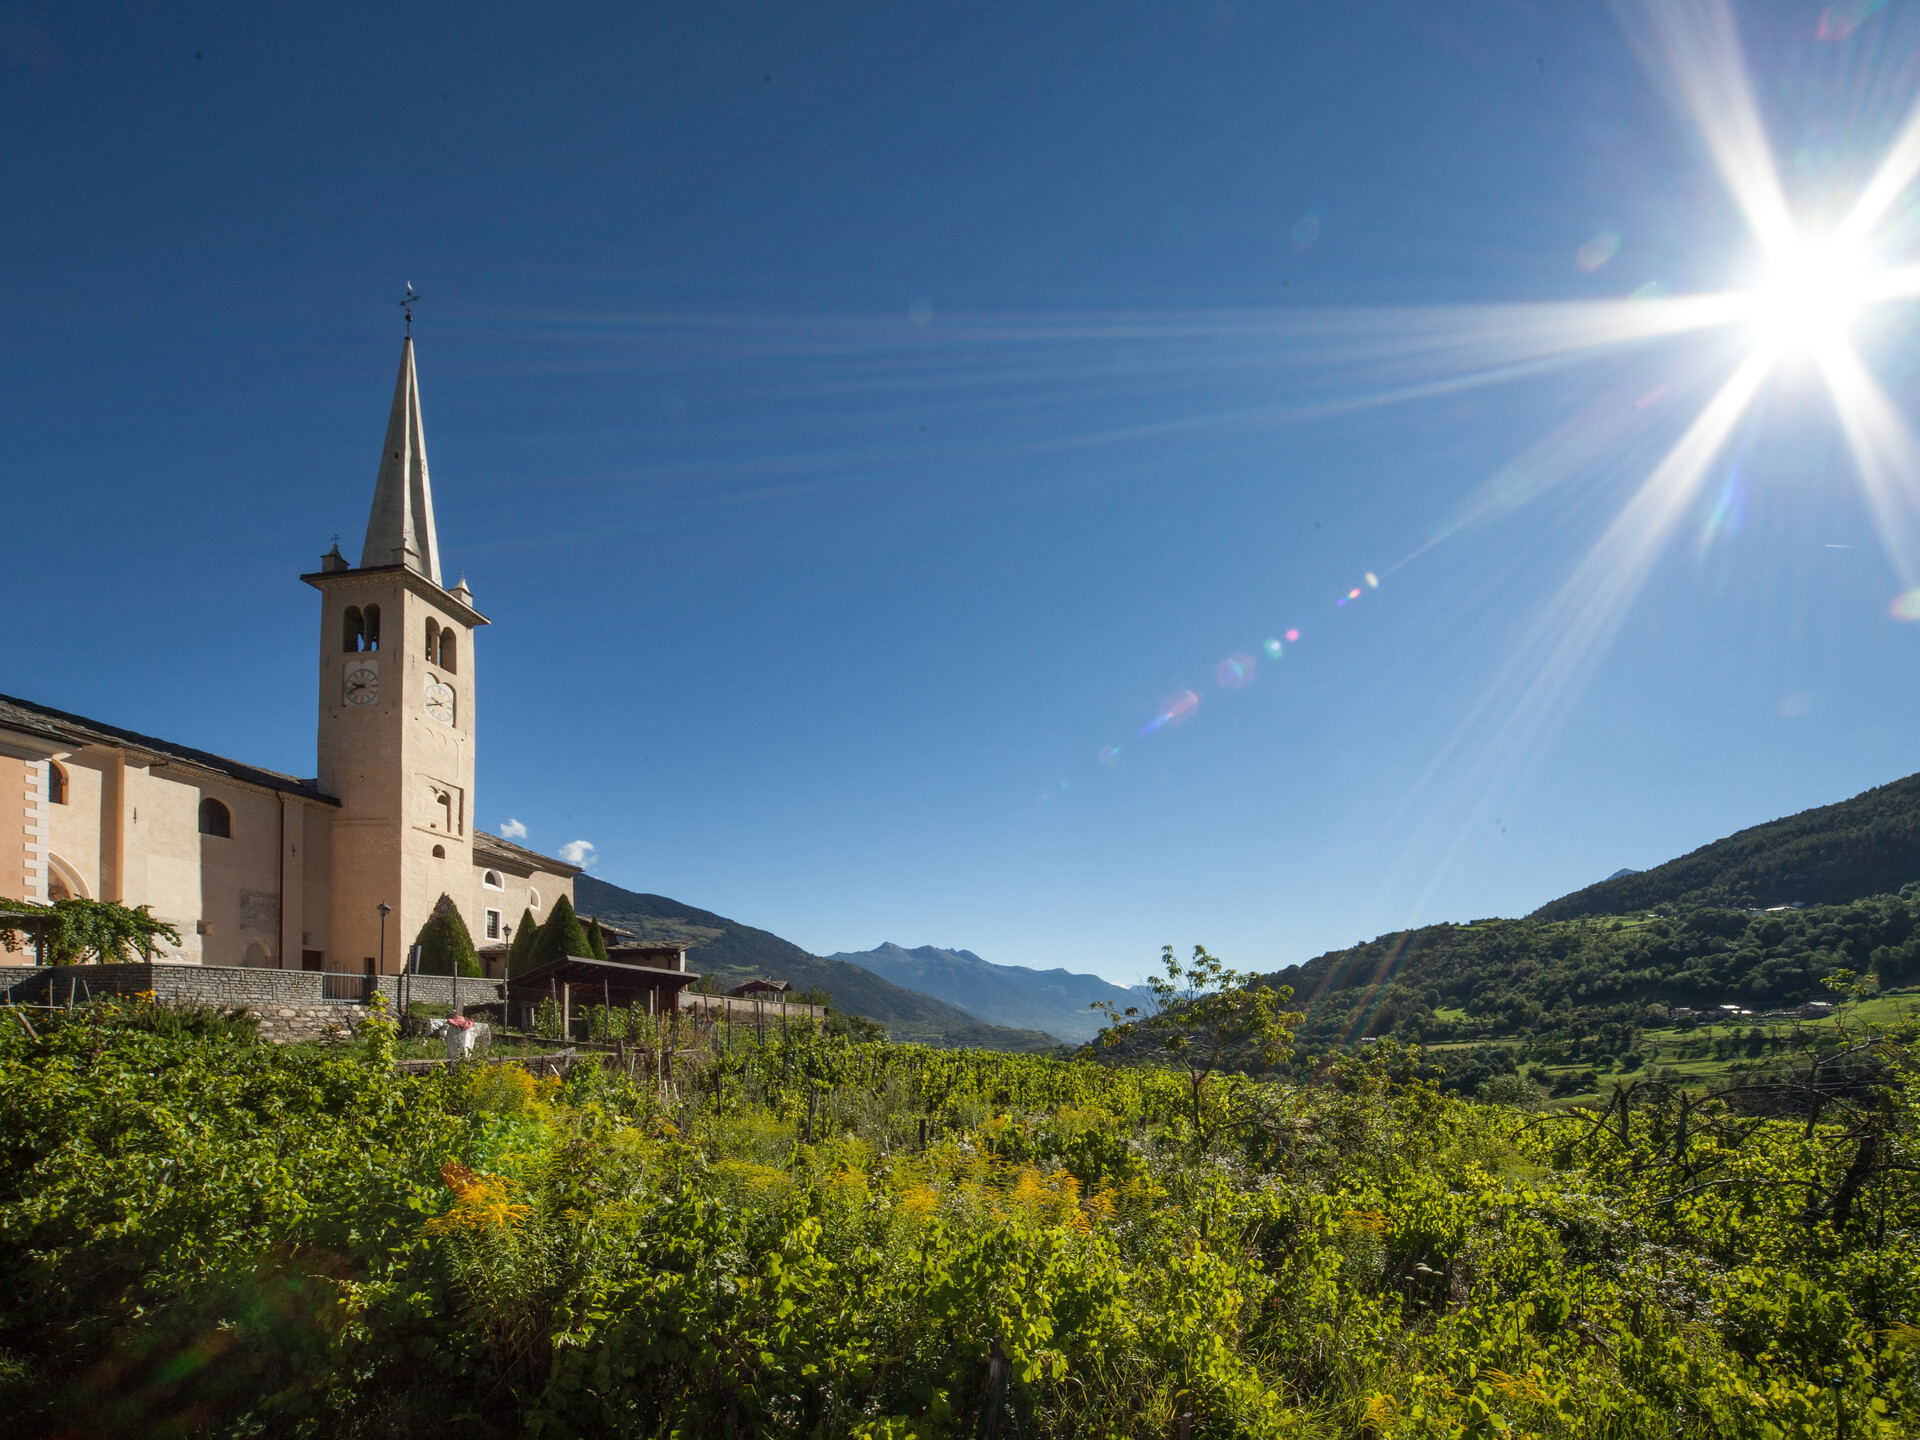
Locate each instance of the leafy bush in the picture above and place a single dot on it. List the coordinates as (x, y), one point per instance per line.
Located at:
(811, 1236)
(78, 930)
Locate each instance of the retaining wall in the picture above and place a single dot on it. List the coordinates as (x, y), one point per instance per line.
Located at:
(291, 1004)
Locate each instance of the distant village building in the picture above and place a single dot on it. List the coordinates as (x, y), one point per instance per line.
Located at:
(257, 868)
(760, 987)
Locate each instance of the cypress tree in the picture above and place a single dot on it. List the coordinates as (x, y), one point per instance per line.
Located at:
(520, 952)
(560, 937)
(596, 941)
(446, 945)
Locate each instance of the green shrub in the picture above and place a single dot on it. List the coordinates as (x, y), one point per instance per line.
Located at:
(560, 937)
(446, 945)
(520, 951)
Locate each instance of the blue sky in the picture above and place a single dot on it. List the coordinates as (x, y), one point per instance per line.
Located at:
(857, 419)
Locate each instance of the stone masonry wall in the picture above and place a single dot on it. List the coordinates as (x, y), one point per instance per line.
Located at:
(291, 1004)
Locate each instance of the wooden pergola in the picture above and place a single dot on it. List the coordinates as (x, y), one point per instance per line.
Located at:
(34, 921)
(604, 982)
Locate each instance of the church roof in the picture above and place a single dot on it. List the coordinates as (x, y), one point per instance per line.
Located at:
(488, 846)
(400, 527)
(77, 730)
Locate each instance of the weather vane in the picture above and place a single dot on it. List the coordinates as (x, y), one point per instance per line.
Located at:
(407, 305)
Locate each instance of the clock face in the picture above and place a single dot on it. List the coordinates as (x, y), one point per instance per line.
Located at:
(363, 685)
(439, 701)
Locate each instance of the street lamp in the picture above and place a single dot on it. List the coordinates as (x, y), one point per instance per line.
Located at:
(385, 910)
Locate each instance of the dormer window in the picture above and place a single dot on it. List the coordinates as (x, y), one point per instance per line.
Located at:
(491, 880)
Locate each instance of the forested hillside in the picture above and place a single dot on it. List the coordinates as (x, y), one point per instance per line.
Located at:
(1869, 845)
(736, 952)
(1530, 978)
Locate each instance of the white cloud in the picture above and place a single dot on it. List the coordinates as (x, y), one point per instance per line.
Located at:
(577, 852)
(514, 830)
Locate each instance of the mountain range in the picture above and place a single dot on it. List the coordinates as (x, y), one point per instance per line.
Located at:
(733, 952)
(1693, 930)
(1053, 1000)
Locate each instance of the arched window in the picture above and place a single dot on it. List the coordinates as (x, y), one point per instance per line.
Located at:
(433, 641)
(352, 630)
(63, 881)
(257, 956)
(491, 880)
(533, 899)
(439, 852)
(216, 819)
(448, 659)
(373, 627)
(56, 783)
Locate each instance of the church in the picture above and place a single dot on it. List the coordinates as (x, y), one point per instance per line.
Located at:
(255, 868)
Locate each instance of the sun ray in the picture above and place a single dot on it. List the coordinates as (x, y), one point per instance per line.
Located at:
(1889, 182)
(1691, 50)
(1884, 452)
(1546, 672)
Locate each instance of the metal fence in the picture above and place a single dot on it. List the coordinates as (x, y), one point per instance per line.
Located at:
(346, 988)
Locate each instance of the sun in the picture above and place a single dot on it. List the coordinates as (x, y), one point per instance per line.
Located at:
(1810, 296)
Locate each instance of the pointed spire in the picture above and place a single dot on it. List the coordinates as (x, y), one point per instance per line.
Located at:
(400, 529)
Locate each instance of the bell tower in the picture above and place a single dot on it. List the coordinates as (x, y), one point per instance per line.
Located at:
(396, 714)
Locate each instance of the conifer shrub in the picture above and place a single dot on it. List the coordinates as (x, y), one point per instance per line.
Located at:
(520, 952)
(446, 946)
(560, 937)
(596, 941)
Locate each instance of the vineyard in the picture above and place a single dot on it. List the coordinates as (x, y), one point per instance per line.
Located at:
(775, 1233)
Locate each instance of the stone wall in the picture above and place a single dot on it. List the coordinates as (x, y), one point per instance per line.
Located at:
(291, 1004)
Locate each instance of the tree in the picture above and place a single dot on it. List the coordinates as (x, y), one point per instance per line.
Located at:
(857, 1028)
(520, 953)
(560, 937)
(596, 942)
(446, 945)
(76, 931)
(1202, 1016)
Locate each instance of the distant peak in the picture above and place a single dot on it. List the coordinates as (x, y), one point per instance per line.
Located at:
(1622, 873)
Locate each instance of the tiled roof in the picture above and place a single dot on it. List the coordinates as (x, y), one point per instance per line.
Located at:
(33, 719)
(486, 843)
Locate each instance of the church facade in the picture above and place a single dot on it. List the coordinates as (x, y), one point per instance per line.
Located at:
(262, 869)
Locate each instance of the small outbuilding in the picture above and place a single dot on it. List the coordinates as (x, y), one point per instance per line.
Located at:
(748, 988)
(579, 981)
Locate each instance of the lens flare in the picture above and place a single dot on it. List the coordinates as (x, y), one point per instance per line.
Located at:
(1274, 648)
(1236, 671)
(1176, 709)
(1906, 607)
(1597, 251)
(1110, 755)
(1292, 636)
(1373, 581)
